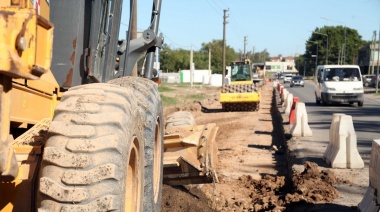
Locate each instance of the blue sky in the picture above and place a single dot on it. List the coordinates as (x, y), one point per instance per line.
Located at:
(279, 26)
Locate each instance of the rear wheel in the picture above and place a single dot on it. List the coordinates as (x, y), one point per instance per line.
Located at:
(93, 159)
(150, 108)
(360, 104)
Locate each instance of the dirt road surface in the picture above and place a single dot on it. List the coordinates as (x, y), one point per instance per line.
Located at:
(253, 169)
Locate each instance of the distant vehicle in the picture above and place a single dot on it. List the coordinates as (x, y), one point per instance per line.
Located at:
(372, 82)
(338, 83)
(287, 78)
(367, 79)
(297, 81)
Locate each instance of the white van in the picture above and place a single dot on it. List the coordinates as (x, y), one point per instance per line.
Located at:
(339, 84)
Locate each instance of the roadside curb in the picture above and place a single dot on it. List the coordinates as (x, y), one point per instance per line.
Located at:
(351, 185)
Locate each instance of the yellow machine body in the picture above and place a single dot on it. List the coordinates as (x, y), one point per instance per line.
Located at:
(28, 95)
(240, 93)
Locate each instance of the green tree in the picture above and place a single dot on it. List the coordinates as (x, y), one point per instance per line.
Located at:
(336, 37)
(216, 47)
(174, 60)
(259, 57)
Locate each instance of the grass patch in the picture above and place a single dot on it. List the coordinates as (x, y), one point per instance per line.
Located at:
(168, 101)
(195, 97)
(163, 88)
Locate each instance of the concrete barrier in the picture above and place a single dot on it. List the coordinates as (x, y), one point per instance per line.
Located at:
(342, 150)
(289, 101)
(275, 83)
(284, 95)
(371, 199)
(301, 126)
(281, 90)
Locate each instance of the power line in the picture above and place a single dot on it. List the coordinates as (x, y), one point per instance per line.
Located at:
(214, 8)
(219, 8)
(176, 44)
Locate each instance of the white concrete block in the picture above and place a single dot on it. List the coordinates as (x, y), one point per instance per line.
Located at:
(368, 203)
(374, 167)
(284, 95)
(274, 83)
(283, 98)
(331, 149)
(289, 103)
(342, 150)
(301, 125)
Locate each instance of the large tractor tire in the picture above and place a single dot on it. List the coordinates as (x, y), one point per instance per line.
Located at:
(150, 107)
(180, 119)
(93, 159)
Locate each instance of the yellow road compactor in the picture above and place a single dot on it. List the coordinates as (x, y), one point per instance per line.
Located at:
(78, 131)
(240, 91)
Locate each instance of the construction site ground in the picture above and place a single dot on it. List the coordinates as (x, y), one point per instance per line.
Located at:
(255, 166)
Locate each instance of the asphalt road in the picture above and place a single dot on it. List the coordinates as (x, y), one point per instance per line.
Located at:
(366, 122)
(366, 119)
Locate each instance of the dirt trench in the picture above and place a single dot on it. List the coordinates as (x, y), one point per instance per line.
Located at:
(253, 167)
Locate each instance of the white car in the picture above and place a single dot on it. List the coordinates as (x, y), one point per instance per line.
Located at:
(288, 78)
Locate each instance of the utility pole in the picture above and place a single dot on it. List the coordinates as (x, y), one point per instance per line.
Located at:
(209, 61)
(373, 52)
(304, 68)
(191, 67)
(224, 44)
(134, 31)
(377, 70)
(245, 45)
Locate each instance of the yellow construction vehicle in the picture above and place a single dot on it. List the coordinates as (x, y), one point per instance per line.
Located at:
(241, 91)
(77, 134)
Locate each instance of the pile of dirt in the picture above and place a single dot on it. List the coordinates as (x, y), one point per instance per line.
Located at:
(272, 193)
(180, 200)
(266, 193)
(193, 107)
(313, 186)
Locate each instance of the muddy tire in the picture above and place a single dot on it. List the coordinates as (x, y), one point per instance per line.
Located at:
(150, 108)
(93, 159)
(180, 119)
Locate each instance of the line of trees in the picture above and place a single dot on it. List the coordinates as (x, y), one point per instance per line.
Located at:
(335, 37)
(174, 60)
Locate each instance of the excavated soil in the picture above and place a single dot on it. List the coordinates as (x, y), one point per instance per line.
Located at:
(252, 162)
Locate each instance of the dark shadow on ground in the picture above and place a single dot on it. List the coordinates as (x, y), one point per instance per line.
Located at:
(210, 110)
(325, 207)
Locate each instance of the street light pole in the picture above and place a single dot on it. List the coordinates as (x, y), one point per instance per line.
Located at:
(327, 45)
(344, 54)
(316, 54)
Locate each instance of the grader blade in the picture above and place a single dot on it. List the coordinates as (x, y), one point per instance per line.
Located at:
(190, 155)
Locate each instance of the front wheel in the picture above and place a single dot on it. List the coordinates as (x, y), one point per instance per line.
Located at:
(360, 104)
(324, 103)
(93, 159)
(150, 107)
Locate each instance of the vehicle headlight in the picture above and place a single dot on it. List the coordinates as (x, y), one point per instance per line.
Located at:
(358, 89)
(331, 89)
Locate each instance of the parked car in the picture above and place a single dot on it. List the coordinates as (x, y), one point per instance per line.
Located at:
(287, 78)
(372, 82)
(367, 79)
(297, 81)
